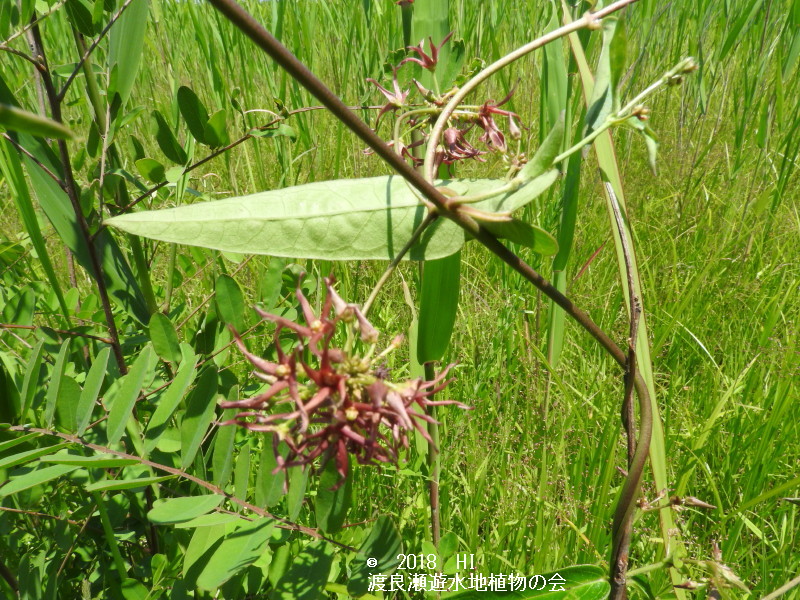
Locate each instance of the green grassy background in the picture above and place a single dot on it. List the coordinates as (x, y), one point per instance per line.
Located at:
(717, 233)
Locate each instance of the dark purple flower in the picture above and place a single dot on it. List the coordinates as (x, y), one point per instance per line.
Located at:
(426, 61)
(396, 99)
(338, 403)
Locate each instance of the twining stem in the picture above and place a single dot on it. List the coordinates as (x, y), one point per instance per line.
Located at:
(588, 20)
(283, 523)
(622, 541)
(267, 42)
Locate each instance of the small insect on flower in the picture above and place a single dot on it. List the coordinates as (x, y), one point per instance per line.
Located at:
(333, 402)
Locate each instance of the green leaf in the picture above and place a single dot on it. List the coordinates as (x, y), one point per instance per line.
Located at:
(298, 479)
(125, 397)
(269, 485)
(80, 15)
(91, 389)
(169, 401)
(126, 43)
(69, 394)
(53, 388)
(16, 119)
(200, 408)
(28, 456)
(180, 510)
(56, 205)
(125, 484)
(438, 307)
(603, 93)
(11, 168)
(8, 444)
(203, 542)
(30, 380)
(542, 161)
(332, 504)
(151, 169)
(382, 544)
(524, 234)
(215, 132)
(222, 457)
(230, 302)
(193, 112)
(167, 141)
(347, 219)
(306, 578)
(134, 590)
(209, 520)
(34, 478)
(237, 551)
(165, 338)
(97, 461)
(584, 582)
(282, 130)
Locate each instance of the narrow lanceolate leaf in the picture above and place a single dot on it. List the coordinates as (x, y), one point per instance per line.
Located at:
(230, 302)
(542, 161)
(22, 458)
(438, 307)
(126, 43)
(126, 395)
(125, 484)
(346, 219)
(238, 550)
(199, 413)
(585, 582)
(169, 401)
(34, 478)
(16, 119)
(91, 389)
(30, 380)
(97, 461)
(54, 385)
(165, 338)
(178, 510)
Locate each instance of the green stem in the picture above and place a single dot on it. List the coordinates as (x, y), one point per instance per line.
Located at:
(430, 218)
(434, 466)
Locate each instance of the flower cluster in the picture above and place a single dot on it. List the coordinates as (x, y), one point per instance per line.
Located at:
(454, 145)
(333, 402)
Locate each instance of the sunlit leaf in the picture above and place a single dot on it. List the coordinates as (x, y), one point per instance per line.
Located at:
(335, 220)
(125, 396)
(179, 510)
(165, 338)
